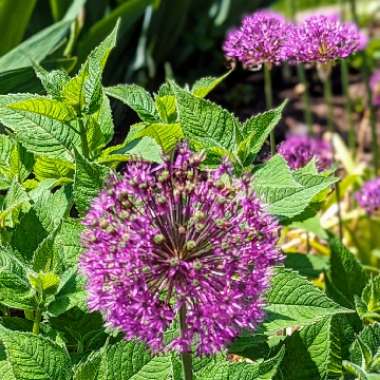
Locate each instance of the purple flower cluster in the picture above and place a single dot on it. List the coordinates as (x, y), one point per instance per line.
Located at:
(173, 240)
(369, 196)
(298, 150)
(323, 39)
(375, 87)
(262, 38)
(265, 37)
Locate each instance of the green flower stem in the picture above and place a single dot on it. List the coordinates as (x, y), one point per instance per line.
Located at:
(327, 92)
(302, 78)
(37, 321)
(186, 356)
(366, 71)
(348, 104)
(306, 98)
(269, 102)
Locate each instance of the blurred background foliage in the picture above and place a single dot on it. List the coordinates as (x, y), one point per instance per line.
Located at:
(157, 38)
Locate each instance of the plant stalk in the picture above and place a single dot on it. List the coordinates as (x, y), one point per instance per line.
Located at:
(366, 71)
(306, 98)
(269, 103)
(37, 321)
(83, 137)
(186, 356)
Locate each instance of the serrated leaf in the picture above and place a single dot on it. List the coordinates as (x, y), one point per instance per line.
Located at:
(221, 369)
(370, 300)
(255, 131)
(347, 277)
(70, 294)
(84, 91)
(206, 123)
(44, 283)
(88, 180)
(166, 135)
(47, 167)
(287, 193)
(15, 162)
(166, 107)
(37, 132)
(47, 256)
(137, 98)
(202, 87)
(294, 301)
(35, 357)
(52, 81)
(316, 350)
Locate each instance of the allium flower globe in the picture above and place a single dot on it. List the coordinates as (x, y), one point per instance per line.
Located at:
(369, 196)
(298, 150)
(261, 39)
(173, 239)
(323, 39)
(375, 87)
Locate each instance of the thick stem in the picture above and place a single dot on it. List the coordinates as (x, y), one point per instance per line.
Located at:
(348, 105)
(327, 92)
(186, 355)
(37, 321)
(366, 71)
(269, 102)
(306, 98)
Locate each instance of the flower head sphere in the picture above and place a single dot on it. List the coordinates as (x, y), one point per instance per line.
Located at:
(369, 196)
(322, 39)
(298, 150)
(261, 39)
(175, 241)
(375, 87)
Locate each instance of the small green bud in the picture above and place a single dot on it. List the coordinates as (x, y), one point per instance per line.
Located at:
(190, 245)
(159, 238)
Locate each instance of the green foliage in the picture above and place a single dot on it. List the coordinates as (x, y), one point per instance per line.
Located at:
(57, 151)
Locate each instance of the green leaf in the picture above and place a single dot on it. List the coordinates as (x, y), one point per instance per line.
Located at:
(166, 107)
(15, 162)
(35, 357)
(137, 98)
(221, 369)
(47, 257)
(288, 193)
(346, 276)
(306, 264)
(166, 135)
(70, 294)
(42, 126)
(47, 168)
(294, 301)
(316, 350)
(206, 123)
(202, 87)
(371, 300)
(36, 48)
(44, 283)
(370, 336)
(84, 91)
(128, 11)
(89, 179)
(256, 130)
(141, 149)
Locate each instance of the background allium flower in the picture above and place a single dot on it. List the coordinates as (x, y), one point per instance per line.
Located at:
(369, 196)
(260, 39)
(167, 238)
(298, 150)
(323, 39)
(375, 87)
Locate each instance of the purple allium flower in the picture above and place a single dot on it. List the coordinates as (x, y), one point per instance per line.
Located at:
(260, 39)
(369, 196)
(323, 39)
(174, 239)
(375, 87)
(298, 150)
